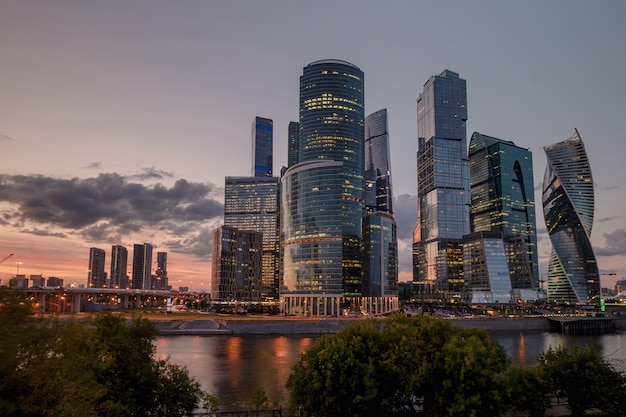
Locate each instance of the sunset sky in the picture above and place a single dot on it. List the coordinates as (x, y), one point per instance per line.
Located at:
(119, 119)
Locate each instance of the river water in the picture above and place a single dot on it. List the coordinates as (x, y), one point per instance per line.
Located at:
(232, 367)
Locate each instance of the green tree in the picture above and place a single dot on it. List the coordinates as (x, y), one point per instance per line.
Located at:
(586, 379)
(211, 403)
(527, 390)
(258, 401)
(400, 366)
(107, 367)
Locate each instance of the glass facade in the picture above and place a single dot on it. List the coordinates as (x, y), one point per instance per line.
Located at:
(443, 184)
(160, 281)
(486, 272)
(96, 277)
(380, 255)
(378, 194)
(119, 260)
(142, 267)
(262, 147)
(251, 203)
(292, 153)
(568, 209)
(502, 193)
(237, 265)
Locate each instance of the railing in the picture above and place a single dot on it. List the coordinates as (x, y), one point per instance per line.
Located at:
(246, 413)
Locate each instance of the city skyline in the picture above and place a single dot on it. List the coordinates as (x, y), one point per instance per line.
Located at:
(102, 102)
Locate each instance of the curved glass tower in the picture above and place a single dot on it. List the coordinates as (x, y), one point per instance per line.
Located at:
(322, 196)
(568, 209)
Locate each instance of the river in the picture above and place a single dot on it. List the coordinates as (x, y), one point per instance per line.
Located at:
(232, 367)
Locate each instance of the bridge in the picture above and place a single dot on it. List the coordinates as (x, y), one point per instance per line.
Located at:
(74, 300)
(582, 325)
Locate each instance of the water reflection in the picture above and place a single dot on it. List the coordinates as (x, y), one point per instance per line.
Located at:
(232, 367)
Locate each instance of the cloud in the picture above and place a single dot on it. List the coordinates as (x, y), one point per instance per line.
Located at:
(153, 174)
(614, 244)
(5, 137)
(109, 207)
(95, 164)
(405, 213)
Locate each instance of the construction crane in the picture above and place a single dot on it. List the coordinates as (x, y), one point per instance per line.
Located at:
(5, 258)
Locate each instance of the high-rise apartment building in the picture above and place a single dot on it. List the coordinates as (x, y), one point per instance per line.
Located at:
(443, 184)
(119, 265)
(322, 196)
(262, 147)
(378, 194)
(159, 281)
(96, 277)
(251, 204)
(503, 200)
(236, 273)
(142, 267)
(568, 209)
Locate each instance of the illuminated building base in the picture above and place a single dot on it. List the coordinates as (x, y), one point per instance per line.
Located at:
(309, 305)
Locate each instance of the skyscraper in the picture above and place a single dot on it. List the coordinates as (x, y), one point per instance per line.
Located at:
(262, 147)
(160, 275)
(568, 209)
(292, 152)
(96, 277)
(236, 273)
(322, 196)
(142, 267)
(503, 200)
(119, 260)
(251, 204)
(443, 184)
(378, 194)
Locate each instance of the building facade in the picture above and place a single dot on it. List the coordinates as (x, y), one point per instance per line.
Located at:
(502, 195)
(443, 185)
(251, 204)
(262, 147)
(568, 209)
(322, 196)
(378, 189)
(119, 266)
(160, 280)
(142, 267)
(292, 151)
(237, 265)
(96, 277)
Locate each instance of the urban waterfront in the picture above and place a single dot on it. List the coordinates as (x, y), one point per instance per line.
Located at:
(233, 366)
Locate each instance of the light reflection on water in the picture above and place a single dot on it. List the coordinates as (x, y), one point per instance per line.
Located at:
(232, 367)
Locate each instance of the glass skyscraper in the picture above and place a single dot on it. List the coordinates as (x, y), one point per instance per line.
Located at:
(443, 184)
(142, 267)
(322, 196)
(503, 200)
(262, 147)
(568, 209)
(160, 282)
(292, 153)
(119, 259)
(378, 194)
(251, 204)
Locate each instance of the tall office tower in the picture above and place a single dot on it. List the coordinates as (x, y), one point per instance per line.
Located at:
(503, 200)
(96, 277)
(142, 267)
(322, 196)
(378, 196)
(119, 261)
(236, 273)
(292, 152)
(568, 208)
(160, 275)
(251, 203)
(262, 147)
(380, 262)
(485, 267)
(443, 185)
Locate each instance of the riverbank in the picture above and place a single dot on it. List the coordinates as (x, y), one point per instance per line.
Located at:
(278, 326)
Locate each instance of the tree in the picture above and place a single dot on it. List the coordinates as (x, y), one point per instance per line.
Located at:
(585, 379)
(51, 367)
(400, 366)
(527, 390)
(259, 400)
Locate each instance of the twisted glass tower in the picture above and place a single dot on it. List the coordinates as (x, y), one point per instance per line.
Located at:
(568, 209)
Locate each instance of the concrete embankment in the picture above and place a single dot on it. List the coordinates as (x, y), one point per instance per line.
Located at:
(275, 326)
